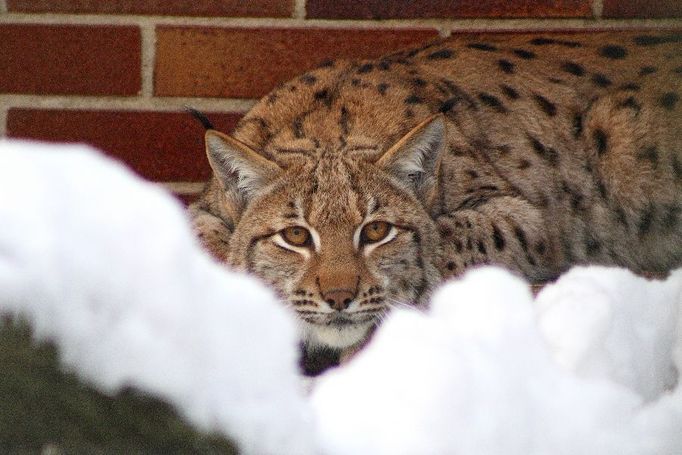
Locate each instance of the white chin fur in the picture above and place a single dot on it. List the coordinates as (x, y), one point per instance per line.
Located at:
(334, 337)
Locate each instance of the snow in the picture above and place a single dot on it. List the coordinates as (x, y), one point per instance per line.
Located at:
(105, 265)
(489, 371)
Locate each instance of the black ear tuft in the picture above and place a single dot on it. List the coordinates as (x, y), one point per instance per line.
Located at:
(201, 117)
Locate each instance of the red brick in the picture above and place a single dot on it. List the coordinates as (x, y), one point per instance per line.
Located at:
(250, 8)
(65, 59)
(406, 9)
(642, 9)
(247, 63)
(160, 146)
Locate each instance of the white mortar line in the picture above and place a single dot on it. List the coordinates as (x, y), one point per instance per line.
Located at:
(183, 187)
(166, 104)
(597, 8)
(477, 24)
(3, 6)
(148, 44)
(3, 121)
(299, 9)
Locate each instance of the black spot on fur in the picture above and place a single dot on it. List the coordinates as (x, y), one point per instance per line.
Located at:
(573, 68)
(272, 98)
(600, 80)
(545, 41)
(670, 219)
(541, 248)
(366, 68)
(328, 63)
(510, 92)
(409, 113)
(451, 266)
(492, 101)
(646, 221)
(592, 246)
(646, 70)
(482, 46)
(506, 66)
(355, 82)
(631, 86)
(650, 154)
(324, 96)
(575, 197)
(524, 54)
(630, 103)
(449, 104)
(600, 140)
(523, 164)
(441, 54)
(382, 87)
(577, 125)
(308, 79)
(547, 106)
(648, 40)
(498, 238)
(521, 237)
(343, 120)
(546, 153)
(384, 65)
(481, 247)
(458, 245)
(413, 99)
(678, 70)
(418, 82)
(621, 216)
(677, 167)
(668, 100)
(613, 52)
(503, 149)
(297, 127)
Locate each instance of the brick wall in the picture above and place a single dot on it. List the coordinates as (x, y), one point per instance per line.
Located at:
(116, 74)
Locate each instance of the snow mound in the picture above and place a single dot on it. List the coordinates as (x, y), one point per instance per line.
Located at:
(486, 372)
(106, 266)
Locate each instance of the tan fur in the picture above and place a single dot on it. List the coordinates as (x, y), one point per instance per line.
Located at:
(547, 152)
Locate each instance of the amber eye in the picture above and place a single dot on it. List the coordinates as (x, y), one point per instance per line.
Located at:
(374, 232)
(296, 236)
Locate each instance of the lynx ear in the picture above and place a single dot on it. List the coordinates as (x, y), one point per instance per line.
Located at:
(415, 159)
(238, 167)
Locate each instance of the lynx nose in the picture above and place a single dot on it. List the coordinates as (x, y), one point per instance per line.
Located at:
(339, 299)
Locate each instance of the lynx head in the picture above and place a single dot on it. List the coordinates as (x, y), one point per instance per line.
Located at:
(342, 233)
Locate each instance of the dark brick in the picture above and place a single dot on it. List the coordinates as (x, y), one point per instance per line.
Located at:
(407, 9)
(642, 8)
(239, 8)
(69, 60)
(160, 146)
(249, 62)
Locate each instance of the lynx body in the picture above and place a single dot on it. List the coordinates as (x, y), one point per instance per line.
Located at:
(359, 186)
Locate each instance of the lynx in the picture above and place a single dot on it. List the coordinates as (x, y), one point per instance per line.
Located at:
(359, 186)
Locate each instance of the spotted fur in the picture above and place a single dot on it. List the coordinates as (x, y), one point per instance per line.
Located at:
(535, 153)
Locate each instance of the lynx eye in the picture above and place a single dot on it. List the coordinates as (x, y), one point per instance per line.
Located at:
(374, 232)
(296, 236)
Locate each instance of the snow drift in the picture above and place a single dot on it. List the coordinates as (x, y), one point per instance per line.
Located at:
(105, 265)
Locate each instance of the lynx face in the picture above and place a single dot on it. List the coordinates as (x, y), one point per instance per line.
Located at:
(340, 239)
